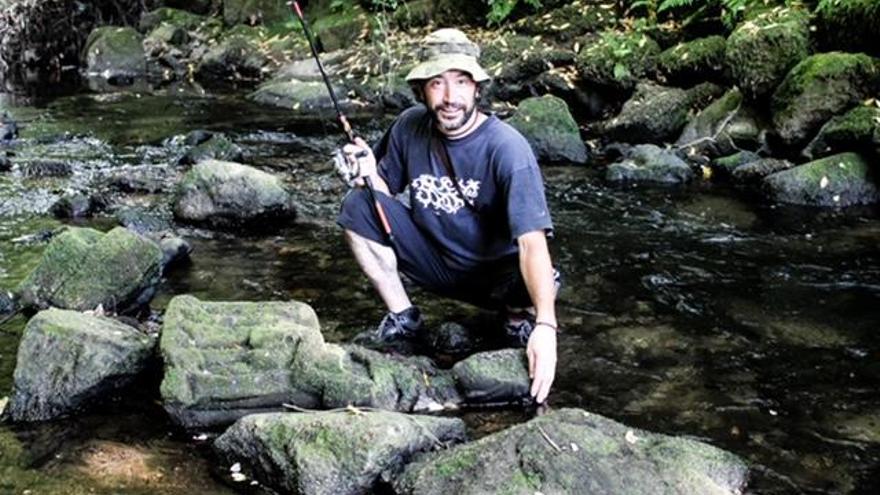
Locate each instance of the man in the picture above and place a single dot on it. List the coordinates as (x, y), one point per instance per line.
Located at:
(477, 224)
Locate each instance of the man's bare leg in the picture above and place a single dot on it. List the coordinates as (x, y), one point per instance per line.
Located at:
(379, 263)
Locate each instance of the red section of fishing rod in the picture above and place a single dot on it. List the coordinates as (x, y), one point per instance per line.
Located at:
(343, 120)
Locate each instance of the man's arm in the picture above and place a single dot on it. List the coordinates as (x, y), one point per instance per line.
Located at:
(537, 272)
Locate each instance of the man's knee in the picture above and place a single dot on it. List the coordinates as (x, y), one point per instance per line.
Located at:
(356, 203)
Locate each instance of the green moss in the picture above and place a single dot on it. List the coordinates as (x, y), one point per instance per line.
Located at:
(618, 60)
(849, 25)
(762, 50)
(455, 462)
(694, 60)
(814, 73)
(546, 112)
(569, 21)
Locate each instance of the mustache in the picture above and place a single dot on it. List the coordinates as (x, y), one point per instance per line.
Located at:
(449, 106)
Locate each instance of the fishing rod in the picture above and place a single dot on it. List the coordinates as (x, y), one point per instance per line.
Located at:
(343, 121)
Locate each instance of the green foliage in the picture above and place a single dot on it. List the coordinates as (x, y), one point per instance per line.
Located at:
(731, 10)
(499, 10)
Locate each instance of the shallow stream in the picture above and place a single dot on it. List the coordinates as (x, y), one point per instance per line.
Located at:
(700, 311)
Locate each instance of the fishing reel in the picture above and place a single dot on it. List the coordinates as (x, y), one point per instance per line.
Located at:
(348, 166)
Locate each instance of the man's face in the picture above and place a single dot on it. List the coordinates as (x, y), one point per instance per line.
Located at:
(452, 98)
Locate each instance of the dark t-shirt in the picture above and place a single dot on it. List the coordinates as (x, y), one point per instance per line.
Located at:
(496, 169)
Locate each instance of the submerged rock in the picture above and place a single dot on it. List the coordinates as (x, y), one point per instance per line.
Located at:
(228, 194)
(574, 451)
(650, 164)
(839, 180)
(333, 453)
(763, 49)
(494, 377)
(550, 129)
(224, 360)
(68, 359)
(83, 268)
(819, 88)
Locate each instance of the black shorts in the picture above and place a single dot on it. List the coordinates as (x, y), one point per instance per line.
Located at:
(495, 285)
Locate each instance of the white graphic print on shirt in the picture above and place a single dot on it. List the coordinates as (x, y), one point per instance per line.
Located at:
(441, 194)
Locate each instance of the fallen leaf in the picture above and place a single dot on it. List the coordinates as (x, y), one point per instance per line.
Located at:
(823, 182)
(631, 437)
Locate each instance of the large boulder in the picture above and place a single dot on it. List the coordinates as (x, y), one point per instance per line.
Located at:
(852, 131)
(656, 114)
(113, 52)
(726, 125)
(83, 268)
(762, 50)
(647, 163)
(228, 194)
(574, 451)
(618, 60)
(332, 453)
(67, 360)
(570, 21)
(224, 360)
(254, 11)
(848, 25)
(820, 87)
(692, 62)
(839, 180)
(550, 129)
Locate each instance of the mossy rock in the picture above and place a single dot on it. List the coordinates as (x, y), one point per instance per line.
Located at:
(761, 51)
(342, 29)
(726, 165)
(216, 147)
(493, 376)
(755, 171)
(255, 11)
(228, 194)
(656, 114)
(112, 50)
(727, 124)
(687, 64)
(852, 131)
(548, 126)
(839, 180)
(618, 60)
(175, 17)
(332, 452)
(83, 268)
(820, 87)
(238, 58)
(650, 164)
(308, 97)
(848, 25)
(573, 451)
(570, 21)
(68, 360)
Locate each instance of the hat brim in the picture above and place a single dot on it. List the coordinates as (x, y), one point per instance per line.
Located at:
(438, 65)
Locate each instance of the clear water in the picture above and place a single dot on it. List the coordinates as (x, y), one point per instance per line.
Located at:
(701, 312)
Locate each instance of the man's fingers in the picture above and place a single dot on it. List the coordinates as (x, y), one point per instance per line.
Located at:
(531, 355)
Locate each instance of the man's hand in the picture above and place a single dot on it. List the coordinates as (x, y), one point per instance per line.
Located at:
(354, 162)
(542, 361)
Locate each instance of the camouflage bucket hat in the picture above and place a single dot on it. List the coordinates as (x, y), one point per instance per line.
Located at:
(447, 49)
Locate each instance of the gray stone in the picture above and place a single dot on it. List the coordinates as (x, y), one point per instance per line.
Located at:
(726, 125)
(115, 52)
(332, 453)
(818, 88)
(224, 360)
(839, 180)
(216, 147)
(237, 59)
(550, 129)
(227, 194)
(650, 164)
(574, 451)
(494, 377)
(174, 250)
(83, 268)
(725, 166)
(300, 96)
(67, 360)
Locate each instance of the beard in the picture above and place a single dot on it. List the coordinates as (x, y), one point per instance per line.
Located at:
(453, 125)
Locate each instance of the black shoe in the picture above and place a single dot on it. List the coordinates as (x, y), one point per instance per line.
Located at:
(394, 329)
(518, 328)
